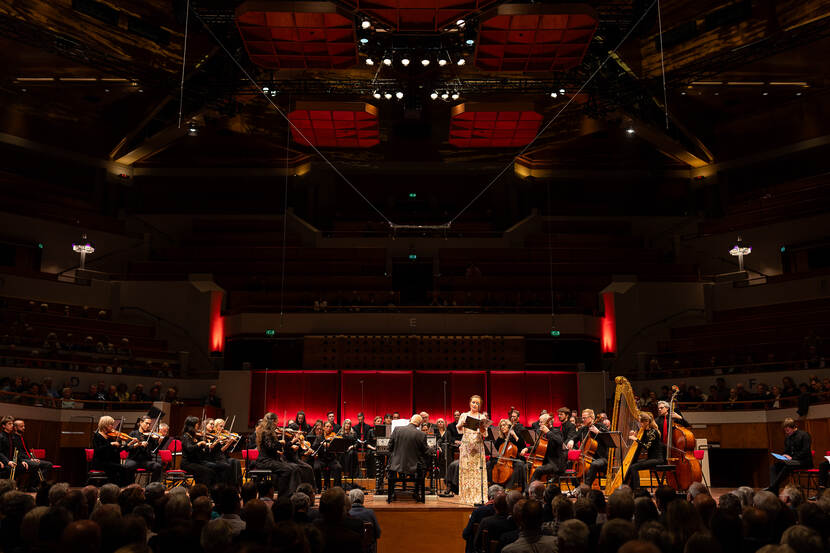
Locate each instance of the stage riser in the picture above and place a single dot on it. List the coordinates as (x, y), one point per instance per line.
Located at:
(422, 530)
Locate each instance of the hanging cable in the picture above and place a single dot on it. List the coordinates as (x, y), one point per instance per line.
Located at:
(550, 264)
(558, 113)
(184, 61)
(284, 226)
(662, 63)
(292, 125)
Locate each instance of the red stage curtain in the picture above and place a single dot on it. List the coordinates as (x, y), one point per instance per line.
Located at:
(383, 392)
(287, 392)
(530, 392)
(429, 392)
(465, 384)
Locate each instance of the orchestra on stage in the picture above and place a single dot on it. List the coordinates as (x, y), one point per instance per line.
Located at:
(462, 457)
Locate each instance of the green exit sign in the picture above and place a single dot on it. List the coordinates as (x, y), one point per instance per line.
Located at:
(413, 256)
(413, 195)
(270, 332)
(555, 332)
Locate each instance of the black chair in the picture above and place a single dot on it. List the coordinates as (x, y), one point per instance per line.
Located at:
(661, 474)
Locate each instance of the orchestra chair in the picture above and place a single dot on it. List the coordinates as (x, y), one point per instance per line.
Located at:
(808, 476)
(142, 477)
(41, 454)
(569, 476)
(402, 479)
(660, 474)
(369, 540)
(485, 542)
(172, 477)
(175, 449)
(257, 475)
(95, 478)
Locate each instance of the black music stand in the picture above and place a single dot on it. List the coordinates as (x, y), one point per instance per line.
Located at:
(380, 431)
(336, 447)
(611, 440)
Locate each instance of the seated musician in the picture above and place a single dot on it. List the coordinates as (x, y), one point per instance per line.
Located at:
(228, 443)
(165, 438)
(408, 456)
(796, 451)
(223, 468)
(600, 457)
(270, 443)
(506, 433)
(35, 466)
(551, 464)
(107, 445)
(324, 459)
(567, 428)
(650, 444)
(294, 448)
(142, 450)
(300, 423)
(195, 457)
(535, 426)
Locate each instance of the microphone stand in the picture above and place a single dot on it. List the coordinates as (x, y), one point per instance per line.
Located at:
(482, 470)
(446, 450)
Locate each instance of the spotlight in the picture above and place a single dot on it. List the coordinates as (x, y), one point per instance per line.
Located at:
(444, 96)
(405, 62)
(460, 22)
(461, 61)
(434, 95)
(387, 61)
(192, 130)
(388, 95)
(630, 130)
(369, 61)
(553, 94)
(424, 62)
(470, 42)
(442, 62)
(274, 92)
(376, 94)
(454, 96)
(399, 95)
(561, 91)
(364, 40)
(265, 89)
(366, 24)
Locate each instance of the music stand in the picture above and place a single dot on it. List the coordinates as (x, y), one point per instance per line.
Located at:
(611, 440)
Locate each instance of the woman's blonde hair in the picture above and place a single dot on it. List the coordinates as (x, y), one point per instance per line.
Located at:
(646, 416)
(104, 422)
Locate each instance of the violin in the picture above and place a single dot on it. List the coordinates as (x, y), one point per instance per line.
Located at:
(121, 436)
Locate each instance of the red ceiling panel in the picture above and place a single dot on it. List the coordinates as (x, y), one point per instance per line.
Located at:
(535, 37)
(419, 15)
(278, 36)
(490, 125)
(335, 124)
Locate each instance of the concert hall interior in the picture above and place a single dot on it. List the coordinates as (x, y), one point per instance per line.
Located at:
(430, 276)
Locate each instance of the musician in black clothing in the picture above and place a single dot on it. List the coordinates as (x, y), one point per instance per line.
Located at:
(662, 420)
(293, 449)
(797, 452)
(551, 465)
(568, 428)
(300, 423)
(7, 444)
(330, 418)
(361, 430)
(106, 456)
(453, 427)
(270, 444)
(195, 455)
(506, 433)
(324, 459)
(650, 443)
(141, 452)
(600, 460)
(227, 444)
(514, 421)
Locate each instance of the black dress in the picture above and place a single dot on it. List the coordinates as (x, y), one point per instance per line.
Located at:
(195, 461)
(324, 459)
(519, 477)
(655, 455)
(270, 458)
(107, 457)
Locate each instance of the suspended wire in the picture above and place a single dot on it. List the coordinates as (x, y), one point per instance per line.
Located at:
(292, 125)
(284, 226)
(550, 260)
(662, 63)
(184, 61)
(558, 113)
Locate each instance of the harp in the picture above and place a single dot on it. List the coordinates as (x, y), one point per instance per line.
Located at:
(624, 419)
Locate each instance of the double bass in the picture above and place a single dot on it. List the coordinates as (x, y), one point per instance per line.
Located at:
(680, 446)
(503, 469)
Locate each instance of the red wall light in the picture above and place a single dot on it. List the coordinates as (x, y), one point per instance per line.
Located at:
(217, 322)
(609, 324)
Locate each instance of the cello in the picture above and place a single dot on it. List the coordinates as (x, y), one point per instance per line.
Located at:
(503, 469)
(680, 447)
(587, 450)
(537, 454)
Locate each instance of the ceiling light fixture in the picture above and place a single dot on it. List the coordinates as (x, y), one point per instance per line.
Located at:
(370, 61)
(553, 94)
(460, 22)
(388, 95)
(405, 62)
(470, 42)
(630, 130)
(461, 61)
(387, 61)
(399, 95)
(739, 251)
(366, 24)
(444, 96)
(364, 40)
(561, 91)
(442, 62)
(434, 95)
(454, 96)
(425, 62)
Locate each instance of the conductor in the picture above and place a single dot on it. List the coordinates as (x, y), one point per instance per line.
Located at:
(408, 450)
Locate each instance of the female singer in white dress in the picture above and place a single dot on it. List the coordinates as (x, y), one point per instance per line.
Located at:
(472, 480)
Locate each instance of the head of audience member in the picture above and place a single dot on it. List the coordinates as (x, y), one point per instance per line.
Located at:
(75, 503)
(682, 520)
(217, 536)
(356, 497)
(108, 494)
(500, 504)
(597, 499)
(308, 490)
(614, 534)
(702, 541)
(725, 526)
(179, 509)
(730, 503)
(705, 507)
(530, 517)
(129, 497)
(258, 517)
(333, 505)
(29, 527)
(791, 496)
(57, 492)
(663, 496)
(644, 511)
(81, 536)
(695, 489)
(745, 494)
(202, 508)
(802, 539)
(415, 420)
(573, 536)
(248, 491)
(536, 490)
(561, 508)
(493, 491)
(585, 511)
(621, 505)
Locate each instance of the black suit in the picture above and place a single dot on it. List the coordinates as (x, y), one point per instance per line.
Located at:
(495, 525)
(796, 445)
(408, 451)
(551, 465)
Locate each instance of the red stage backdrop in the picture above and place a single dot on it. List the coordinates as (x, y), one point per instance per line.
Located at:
(378, 392)
(382, 392)
(314, 392)
(530, 392)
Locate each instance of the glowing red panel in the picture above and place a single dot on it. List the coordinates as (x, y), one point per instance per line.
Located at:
(217, 322)
(419, 15)
(535, 37)
(277, 36)
(481, 125)
(609, 324)
(335, 124)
